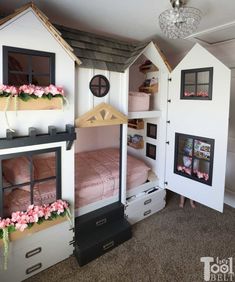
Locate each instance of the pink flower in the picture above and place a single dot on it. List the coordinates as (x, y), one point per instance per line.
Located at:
(52, 89)
(21, 226)
(5, 222)
(39, 91)
(15, 216)
(2, 88)
(28, 89)
(60, 90)
(47, 212)
(57, 207)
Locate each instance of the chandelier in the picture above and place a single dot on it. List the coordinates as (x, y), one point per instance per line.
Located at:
(179, 21)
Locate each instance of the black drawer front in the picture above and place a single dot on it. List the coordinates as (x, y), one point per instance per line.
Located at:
(90, 248)
(93, 220)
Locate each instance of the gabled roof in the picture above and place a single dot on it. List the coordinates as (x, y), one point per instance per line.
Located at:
(101, 52)
(45, 21)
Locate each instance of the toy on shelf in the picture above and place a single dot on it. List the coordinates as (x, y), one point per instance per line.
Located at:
(136, 141)
(136, 123)
(149, 86)
(148, 66)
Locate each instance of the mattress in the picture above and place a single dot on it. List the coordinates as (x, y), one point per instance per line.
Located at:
(96, 178)
(97, 175)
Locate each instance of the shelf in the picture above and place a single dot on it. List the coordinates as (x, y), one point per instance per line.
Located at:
(145, 114)
(138, 146)
(137, 124)
(149, 89)
(148, 68)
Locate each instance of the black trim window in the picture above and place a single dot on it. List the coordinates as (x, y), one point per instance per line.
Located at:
(32, 177)
(194, 157)
(23, 66)
(99, 85)
(197, 84)
(151, 151)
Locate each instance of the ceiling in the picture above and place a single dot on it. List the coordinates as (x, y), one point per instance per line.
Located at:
(131, 20)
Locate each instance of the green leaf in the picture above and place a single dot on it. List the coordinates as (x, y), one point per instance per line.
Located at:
(49, 96)
(24, 97)
(11, 228)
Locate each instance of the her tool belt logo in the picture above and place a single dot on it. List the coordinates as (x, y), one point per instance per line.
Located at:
(216, 269)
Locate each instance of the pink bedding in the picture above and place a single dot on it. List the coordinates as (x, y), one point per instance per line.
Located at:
(96, 178)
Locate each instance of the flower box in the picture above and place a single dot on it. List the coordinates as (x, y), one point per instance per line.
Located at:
(55, 103)
(16, 235)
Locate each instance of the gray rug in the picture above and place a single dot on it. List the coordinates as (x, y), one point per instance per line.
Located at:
(165, 247)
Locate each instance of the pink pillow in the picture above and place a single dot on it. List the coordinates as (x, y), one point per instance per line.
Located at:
(17, 171)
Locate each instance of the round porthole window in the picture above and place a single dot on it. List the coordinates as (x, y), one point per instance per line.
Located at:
(99, 85)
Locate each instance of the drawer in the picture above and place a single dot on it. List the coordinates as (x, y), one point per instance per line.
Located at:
(39, 251)
(92, 221)
(90, 246)
(145, 205)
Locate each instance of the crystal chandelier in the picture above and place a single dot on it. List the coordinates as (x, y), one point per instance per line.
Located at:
(180, 21)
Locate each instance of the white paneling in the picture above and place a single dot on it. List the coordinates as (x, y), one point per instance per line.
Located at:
(27, 31)
(200, 118)
(87, 101)
(84, 97)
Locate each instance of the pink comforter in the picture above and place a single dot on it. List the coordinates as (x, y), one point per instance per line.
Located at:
(96, 178)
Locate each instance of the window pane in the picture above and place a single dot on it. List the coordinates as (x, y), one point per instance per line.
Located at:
(42, 80)
(189, 91)
(18, 79)
(184, 164)
(185, 146)
(40, 64)
(17, 200)
(17, 171)
(45, 192)
(18, 62)
(202, 150)
(203, 77)
(95, 90)
(44, 166)
(190, 78)
(95, 81)
(201, 169)
(203, 90)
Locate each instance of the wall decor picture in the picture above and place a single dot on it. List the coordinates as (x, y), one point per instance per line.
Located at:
(151, 130)
(151, 151)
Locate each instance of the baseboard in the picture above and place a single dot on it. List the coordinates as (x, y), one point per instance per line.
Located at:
(229, 198)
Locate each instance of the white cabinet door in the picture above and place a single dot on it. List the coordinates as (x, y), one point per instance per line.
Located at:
(198, 128)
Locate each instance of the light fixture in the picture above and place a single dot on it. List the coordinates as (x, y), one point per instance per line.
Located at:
(179, 21)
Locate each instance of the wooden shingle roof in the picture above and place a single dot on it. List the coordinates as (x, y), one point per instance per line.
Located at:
(101, 52)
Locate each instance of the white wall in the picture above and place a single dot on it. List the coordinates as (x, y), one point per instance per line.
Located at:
(26, 31)
(94, 138)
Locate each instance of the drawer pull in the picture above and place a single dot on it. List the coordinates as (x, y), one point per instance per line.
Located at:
(33, 252)
(108, 246)
(33, 268)
(147, 212)
(101, 222)
(148, 201)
